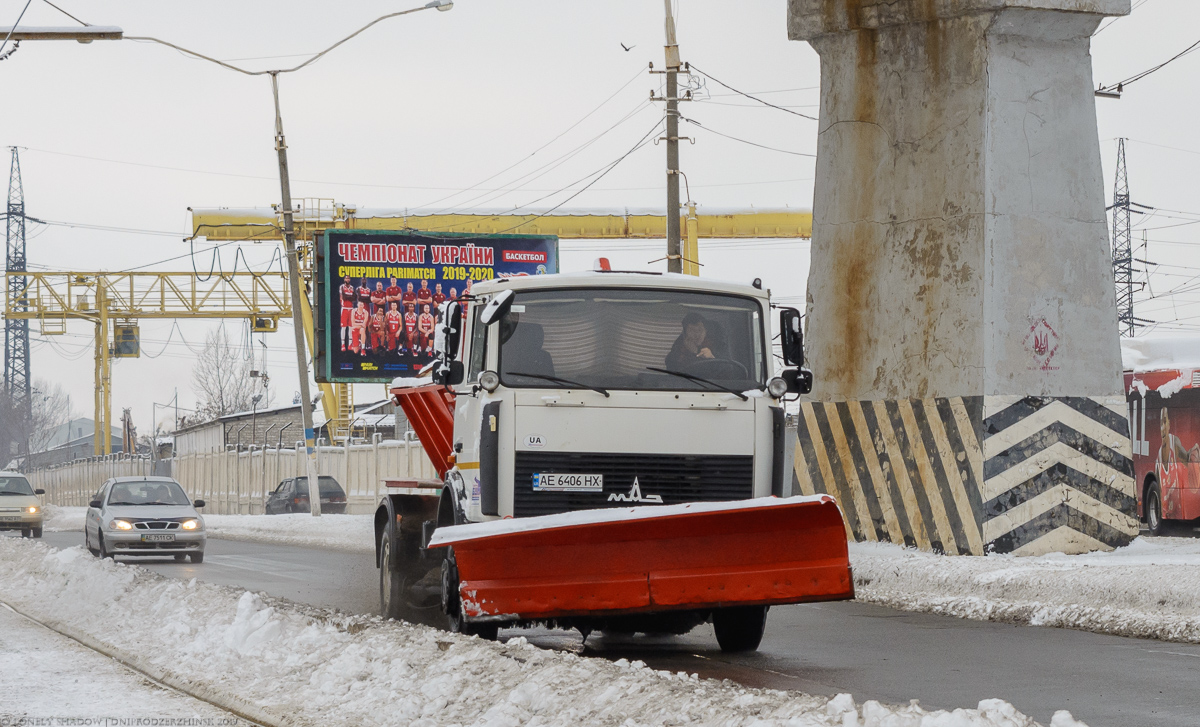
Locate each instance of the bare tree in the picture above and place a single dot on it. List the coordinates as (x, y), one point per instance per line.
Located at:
(51, 410)
(221, 377)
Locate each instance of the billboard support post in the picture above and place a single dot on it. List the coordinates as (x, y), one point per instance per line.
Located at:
(293, 258)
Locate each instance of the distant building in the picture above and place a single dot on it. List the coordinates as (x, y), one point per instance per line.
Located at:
(281, 424)
(71, 441)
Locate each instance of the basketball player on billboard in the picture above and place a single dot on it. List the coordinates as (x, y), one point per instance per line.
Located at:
(393, 294)
(378, 299)
(364, 293)
(378, 331)
(395, 321)
(410, 328)
(358, 327)
(425, 325)
(349, 298)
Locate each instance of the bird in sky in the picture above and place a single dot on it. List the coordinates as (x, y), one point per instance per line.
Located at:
(628, 47)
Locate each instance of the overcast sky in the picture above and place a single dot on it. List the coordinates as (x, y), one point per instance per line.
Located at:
(511, 101)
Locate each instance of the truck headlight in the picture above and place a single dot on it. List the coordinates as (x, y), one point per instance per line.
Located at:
(777, 387)
(489, 380)
(190, 525)
(32, 510)
(121, 525)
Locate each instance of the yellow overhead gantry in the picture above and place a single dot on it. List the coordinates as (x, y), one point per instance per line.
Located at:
(119, 300)
(315, 215)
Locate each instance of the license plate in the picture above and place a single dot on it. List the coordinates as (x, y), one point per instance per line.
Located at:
(158, 538)
(9, 518)
(567, 483)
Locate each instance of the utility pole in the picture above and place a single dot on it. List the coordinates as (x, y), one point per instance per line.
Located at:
(293, 257)
(674, 247)
(17, 381)
(1122, 245)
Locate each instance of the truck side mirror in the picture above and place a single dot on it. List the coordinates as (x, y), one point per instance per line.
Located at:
(448, 335)
(497, 307)
(799, 381)
(791, 336)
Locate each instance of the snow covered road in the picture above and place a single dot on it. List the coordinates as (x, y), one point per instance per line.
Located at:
(354, 670)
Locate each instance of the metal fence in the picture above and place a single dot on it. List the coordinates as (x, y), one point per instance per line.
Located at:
(233, 482)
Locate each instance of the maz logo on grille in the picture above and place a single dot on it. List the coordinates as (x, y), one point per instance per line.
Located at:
(635, 495)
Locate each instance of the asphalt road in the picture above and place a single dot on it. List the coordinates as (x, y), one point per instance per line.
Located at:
(868, 651)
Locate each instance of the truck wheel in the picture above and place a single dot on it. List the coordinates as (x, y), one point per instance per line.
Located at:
(452, 604)
(740, 628)
(37, 532)
(1154, 518)
(391, 581)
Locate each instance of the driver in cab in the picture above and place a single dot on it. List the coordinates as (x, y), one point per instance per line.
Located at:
(692, 345)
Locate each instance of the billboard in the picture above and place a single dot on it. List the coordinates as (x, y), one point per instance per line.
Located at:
(378, 292)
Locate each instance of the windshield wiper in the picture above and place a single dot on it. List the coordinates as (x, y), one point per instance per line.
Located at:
(700, 380)
(19, 494)
(559, 380)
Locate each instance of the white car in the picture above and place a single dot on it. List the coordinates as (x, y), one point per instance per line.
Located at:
(147, 516)
(20, 508)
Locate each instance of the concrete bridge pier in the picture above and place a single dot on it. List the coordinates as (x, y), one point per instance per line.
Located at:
(961, 320)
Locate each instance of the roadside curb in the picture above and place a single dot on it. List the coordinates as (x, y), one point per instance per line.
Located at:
(230, 703)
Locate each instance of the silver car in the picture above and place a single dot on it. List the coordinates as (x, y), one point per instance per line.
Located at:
(144, 516)
(20, 508)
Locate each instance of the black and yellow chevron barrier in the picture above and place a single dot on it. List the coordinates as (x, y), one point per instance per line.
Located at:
(970, 475)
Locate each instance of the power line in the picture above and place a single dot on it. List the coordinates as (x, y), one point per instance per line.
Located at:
(753, 98)
(457, 189)
(1139, 76)
(744, 141)
(1108, 25)
(64, 12)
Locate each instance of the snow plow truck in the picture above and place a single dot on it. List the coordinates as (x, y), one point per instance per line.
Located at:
(611, 447)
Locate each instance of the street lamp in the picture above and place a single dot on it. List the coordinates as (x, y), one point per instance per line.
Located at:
(85, 34)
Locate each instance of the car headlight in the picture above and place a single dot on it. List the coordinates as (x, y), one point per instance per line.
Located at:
(777, 387)
(121, 525)
(190, 525)
(489, 380)
(33, 509)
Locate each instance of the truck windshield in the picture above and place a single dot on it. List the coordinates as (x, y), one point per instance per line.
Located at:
(608, 338)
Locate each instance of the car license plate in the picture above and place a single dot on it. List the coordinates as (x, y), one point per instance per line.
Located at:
(9, 518)
(567, 483)
(158, 538)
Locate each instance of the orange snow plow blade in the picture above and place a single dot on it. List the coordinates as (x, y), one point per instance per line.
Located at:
(646, 559)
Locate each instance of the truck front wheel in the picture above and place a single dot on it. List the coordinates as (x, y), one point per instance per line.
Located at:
(1154, 518)
(391, 579)
(740, 628)
(456, 622)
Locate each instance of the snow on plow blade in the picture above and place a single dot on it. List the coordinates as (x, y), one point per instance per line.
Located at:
(645, 559)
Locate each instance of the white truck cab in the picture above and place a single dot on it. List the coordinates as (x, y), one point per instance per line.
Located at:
(597, 389)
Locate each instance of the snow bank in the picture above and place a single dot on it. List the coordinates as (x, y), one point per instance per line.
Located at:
(49, 679)
(1150, 588)
(63, 519)
(363, 671)
(354, 533)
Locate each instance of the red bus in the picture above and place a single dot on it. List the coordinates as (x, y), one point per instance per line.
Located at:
(1162, 387)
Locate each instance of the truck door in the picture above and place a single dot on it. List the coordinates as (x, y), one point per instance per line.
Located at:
(468, 409)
